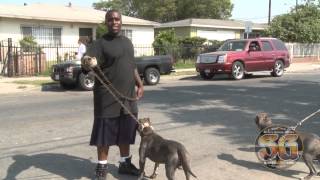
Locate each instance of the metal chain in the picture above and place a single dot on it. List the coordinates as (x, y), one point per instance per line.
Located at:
(112, 89)
(306, 118)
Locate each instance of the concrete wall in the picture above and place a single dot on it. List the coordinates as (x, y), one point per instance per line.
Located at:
(217, 34)
(10, 28)
(142, 39)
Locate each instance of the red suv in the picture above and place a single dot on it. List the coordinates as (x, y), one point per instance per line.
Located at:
(241, 56)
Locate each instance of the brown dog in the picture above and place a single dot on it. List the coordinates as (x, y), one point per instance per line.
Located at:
(310, 142)
(161, 151)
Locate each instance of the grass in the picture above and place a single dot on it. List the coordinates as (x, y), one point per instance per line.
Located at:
(183, 64)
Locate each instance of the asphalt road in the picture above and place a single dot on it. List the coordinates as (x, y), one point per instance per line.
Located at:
(45, 135)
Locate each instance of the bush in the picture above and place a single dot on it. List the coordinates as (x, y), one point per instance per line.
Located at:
(166, 43)
(101, 30)
(28, 44)
(191, 46)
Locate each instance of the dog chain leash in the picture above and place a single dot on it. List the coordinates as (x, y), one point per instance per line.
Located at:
(112, 90)
(306, 118)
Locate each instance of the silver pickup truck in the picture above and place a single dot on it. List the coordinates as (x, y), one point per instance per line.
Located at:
(150, 68)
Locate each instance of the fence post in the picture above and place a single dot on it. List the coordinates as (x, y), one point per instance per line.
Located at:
(39, 64)
(58, 59)
(10, 58)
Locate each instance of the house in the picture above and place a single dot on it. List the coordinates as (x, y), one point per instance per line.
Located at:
(61, 25)
(212, 29)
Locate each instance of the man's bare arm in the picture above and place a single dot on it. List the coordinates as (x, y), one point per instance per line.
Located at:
(139, 84)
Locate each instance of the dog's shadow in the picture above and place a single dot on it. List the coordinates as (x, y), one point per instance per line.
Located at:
(65, 166)
(258, 166)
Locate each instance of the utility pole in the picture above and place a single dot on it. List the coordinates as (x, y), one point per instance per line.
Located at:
(269, 16)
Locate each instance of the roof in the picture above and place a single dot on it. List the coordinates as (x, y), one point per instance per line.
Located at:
(49, 12)
(212, 23)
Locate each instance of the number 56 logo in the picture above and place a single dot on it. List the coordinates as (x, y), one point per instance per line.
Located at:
(278, 147)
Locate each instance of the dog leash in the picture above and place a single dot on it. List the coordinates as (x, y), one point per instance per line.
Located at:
(109, 87)
(306, 118)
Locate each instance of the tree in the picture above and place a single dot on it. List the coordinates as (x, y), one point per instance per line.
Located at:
(156, 10)
(300, 25)
(126, 7)
(216, 9)
(170, 10)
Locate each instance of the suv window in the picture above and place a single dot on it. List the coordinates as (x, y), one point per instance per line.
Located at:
(279, 45)
(266, 46)
(254, 46)
(233, 46)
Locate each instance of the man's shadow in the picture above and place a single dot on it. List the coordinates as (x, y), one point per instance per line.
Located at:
(66, 166)
(258, 166)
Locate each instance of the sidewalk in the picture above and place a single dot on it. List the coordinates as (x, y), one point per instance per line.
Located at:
(8, 86)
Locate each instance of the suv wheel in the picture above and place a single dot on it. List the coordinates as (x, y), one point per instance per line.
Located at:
(278, 69)
(206, 75)
(151, 76)
(237, 70)
(86, 81)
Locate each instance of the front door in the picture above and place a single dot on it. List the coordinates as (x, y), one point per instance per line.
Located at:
(254, 60)
(86, 32)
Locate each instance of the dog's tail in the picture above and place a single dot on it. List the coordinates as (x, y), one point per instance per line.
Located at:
(182, 153)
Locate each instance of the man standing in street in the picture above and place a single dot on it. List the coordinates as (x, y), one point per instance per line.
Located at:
(112, 124)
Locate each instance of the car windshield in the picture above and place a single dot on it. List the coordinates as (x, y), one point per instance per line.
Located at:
(233, 46)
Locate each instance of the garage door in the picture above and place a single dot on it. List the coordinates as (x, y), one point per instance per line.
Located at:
(216, 35)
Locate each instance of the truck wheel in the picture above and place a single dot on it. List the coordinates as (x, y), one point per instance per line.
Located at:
(206, 75)
(237, 70)
(151, 76)
(86, 81)
(278, 69)
(67, 85)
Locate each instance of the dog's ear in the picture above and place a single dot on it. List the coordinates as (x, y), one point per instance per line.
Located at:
(148, 120)
(262, 120)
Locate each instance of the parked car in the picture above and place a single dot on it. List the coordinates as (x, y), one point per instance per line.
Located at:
(239, 57)
(150, 68)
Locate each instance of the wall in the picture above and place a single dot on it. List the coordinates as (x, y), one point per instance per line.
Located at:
(10, 28)
(216, 34)
(142, 39)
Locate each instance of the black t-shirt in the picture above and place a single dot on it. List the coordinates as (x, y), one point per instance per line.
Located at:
(115, 55)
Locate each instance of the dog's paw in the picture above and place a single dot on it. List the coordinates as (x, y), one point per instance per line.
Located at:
(153, 176)
(306, 177)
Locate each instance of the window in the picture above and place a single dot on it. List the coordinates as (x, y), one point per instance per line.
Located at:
(233, 46)
(127, 33)
(279, 45)
(266, 46)
(43, 35)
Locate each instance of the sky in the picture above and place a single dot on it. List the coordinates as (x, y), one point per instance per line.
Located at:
(246, 10)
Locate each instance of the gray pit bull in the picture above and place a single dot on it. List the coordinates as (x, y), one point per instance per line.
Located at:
(161, 151)
(310, 142)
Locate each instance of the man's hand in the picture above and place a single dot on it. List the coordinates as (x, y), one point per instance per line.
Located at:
(139, 92)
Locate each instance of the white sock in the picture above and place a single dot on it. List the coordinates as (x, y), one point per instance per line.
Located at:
(123, 159)
(103, 162)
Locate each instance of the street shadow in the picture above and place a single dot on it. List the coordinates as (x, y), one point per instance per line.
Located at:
(224, 77)
(55, 87)
(233, 105)
(66, 166)
(258, 166)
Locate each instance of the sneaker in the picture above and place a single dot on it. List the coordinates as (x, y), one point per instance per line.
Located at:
(128, 168)
(101, 172)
